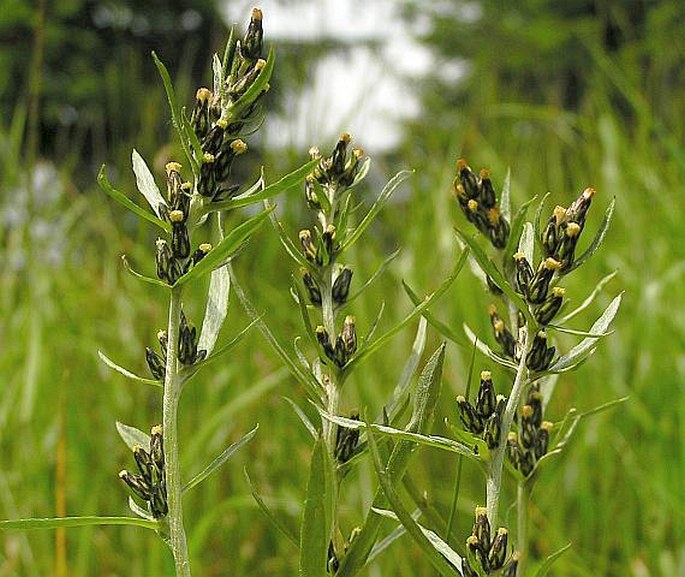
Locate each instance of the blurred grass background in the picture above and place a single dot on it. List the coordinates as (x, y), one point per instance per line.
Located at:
(565, 94)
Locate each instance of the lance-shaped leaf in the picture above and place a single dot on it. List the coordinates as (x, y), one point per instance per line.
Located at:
(581, 351)
(383, 197)
(126, 202)
(597, 241)
(146, 183)
(67, 522)
(229, 245)
(589, 300)
(435, 555)
(505, 199)
(303, 417)
(216, 309)
(121, 370)
(425, 400)
(549, 561)
(290, 535)
(138, 510)
(139, 276)
(317, 517)
(220, 459)
(379, 271)
(132, 436)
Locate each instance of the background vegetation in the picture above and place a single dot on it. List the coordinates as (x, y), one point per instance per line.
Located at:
(566, 94)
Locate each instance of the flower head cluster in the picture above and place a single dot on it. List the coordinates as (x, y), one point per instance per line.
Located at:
(478, 201)
(150, 484)
(483, 419)
(531, 442)
(487, 554)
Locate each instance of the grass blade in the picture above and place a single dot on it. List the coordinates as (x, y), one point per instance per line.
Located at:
(66, 522)
(545, 567)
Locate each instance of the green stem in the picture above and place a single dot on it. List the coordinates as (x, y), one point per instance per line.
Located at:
(172, 394)
(522, 523)
(494, 479)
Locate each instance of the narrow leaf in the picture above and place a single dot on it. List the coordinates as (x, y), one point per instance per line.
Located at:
(132, 436)
(216, 309)
(317, 518)
(136, 274)
(549, 561)
(538, 218)
(597, 241)
(505, 198)
(229, 245)
(146, 183)
(585, 347)
(527, 241)
(487, 351)
(290, 535)
(383, 197)
(138, 510)
(374, 276)
(126, 202)
(589, 300)
(290, 247)
(305, 420)
(220, 459)
(67, 522)
(119, 369)
(516, 229)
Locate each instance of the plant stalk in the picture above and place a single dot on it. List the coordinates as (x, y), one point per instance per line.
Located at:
(172, 394)
(522, 522)
(494, 479)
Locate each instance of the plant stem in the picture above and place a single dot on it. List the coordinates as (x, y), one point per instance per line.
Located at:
(172, 393)
(522, 522)
(494, 479)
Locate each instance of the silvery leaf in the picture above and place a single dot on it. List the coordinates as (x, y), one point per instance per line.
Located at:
(146, 183)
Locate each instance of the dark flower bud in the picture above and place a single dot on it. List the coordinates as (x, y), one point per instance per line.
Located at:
(310, 194)
(539, 285)
(486, 398)
(144, 463)
(339, 156)
(307, 245)
(467, 179)
(199, 118)
(341, 286)
(535, 401)
(542, 441)
(567, 246)
(163, 259)
(206, 184)
(327, 247)
(352, 167)
(155, 363)
(578, 209)
(325, 342)
(524, 273)
(137, 484)
(493, 429)
(224, 159)
(180, 239)
(548, 309)
(498, 228)
(512, 566)
(476, 215)
(551, 236)
(251, 47)
(471, 421)
(211, 143)
(513, 449)
(498, 550)
(476, 556)
(487, 192)
(502, 334)
(349, 336)
(346, 441)
(157, 447)
(481, 528)
(201, 252)
(187, 342)
(528, 429)
(312, 287)
(500, 405)
(526, 462)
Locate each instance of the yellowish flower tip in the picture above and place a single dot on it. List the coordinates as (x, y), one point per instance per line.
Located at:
(266, 88)
(314, 152)
(160, 242)
(203, 94)
(459, 190)
(330, 229)
(500, 397)
(498, 325)
(559, 214)
(485, 375)
(546, 425)
(172, 167)
(492, 310)
(461, 399)
(484, 174)
(320, 330)
(123, 473)
(589, 192)
(349, 320)
(519, 256)
(205, 247)
(527, 411)
(207, 158)
(493, 215)
(346, 137)
(186, 186)
(161, 334)
(552, 264)
(558, 291)
(512, 436)
(305, 234)
(156, 430)
(256, 14)
(542, 334)
(260, 64)
(176, 216)
(239, 146)
(357, 153)
(502, 531)
(572, 229)
(480, 511)
(137, 448)
(472, 540)
(516, 556)
(222, 123)
(472, 205)
(461, 164)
